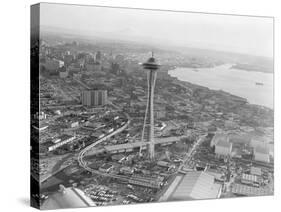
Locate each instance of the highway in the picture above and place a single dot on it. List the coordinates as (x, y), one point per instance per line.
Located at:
(84, 164)
(82, 153)
(130, 146)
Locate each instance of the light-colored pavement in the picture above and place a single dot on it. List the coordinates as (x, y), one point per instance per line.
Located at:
(191, 151)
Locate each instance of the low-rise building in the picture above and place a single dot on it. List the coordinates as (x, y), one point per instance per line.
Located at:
(63, 74)
(73, 124)
(118, 157)
(60, 141)
(126, 170)
(159, 114)
(256, 171)
(106, 168)
(249, 179)
(150, 182)
(223, 148)
(261, 153)
(166, 164)
(245, 190)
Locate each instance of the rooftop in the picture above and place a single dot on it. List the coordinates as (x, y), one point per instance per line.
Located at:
(219, 137)
(65, 137)
(256, 171)
(250, 191)
(68, 198)
(193, 185)
(262, 150)
(106, 166)
(249, 177)
(224, 143)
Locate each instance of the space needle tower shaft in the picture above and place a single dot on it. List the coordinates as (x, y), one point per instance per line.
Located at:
(152, 68)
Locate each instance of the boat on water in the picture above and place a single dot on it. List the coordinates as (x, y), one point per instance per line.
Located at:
(196, 70)
(259, 83)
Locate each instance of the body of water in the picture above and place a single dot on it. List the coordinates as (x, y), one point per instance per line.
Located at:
(238, 82)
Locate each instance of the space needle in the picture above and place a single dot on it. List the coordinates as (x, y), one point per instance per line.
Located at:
(152, 67)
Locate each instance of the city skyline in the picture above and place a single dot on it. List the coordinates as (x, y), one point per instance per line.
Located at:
(239, 34)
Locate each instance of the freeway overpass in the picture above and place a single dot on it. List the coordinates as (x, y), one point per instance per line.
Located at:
(130, 146)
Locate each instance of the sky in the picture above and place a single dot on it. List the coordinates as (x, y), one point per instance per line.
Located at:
(239, 34)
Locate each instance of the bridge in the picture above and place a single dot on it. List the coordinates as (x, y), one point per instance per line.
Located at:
(131, 146)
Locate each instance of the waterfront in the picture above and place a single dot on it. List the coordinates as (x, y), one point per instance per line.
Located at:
(238, 82)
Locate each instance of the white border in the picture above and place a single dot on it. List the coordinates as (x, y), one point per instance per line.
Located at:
(15, 23)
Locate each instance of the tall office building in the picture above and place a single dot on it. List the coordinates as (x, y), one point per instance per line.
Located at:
(94, 97)
(98, 56)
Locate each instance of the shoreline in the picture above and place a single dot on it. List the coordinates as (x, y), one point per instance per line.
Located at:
(183, 82)
(238, 67)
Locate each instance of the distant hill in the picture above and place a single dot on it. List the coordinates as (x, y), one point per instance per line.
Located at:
(242, 61)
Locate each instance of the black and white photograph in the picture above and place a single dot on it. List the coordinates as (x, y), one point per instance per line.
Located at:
(134, 106)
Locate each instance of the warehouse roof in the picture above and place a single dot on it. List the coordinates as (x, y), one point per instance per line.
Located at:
(262, 150)
(193, 185)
